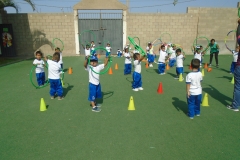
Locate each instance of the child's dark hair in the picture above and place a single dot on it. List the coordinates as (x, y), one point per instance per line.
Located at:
(178, 50)
(57, 48)
(56, 56)
(212, 40)
(195, 63)
(162, 46)
(39, 52)
(135, 56)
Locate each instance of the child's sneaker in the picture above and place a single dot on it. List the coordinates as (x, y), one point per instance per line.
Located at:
(60, 98)
(191, 117)
(150, 65)
(217, 65)
(210, 65)
(135, 89)
(234, 109)
(96, 109)
(198, 115)
(52, 97)
(140, 88)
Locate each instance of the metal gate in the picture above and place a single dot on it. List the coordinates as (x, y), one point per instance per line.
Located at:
(107, 28)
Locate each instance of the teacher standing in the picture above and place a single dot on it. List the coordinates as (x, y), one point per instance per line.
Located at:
(214, 50)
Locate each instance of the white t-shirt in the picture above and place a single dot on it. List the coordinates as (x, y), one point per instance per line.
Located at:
(173, 54)
(137, 66)
(40, 67)
(93, 77)
(162, 56)
(169, 50)
(60, 61)
(194, 79)
(108, 49)
(198, 56)
(235, 56)
(127, 60)
(87, 52)
(149, 50)
(92, 47)
(180, 60)
(54, 69)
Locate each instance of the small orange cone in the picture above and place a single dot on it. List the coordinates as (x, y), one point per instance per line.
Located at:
(167, 68)
(146, 64)
(209, 69)
(190, 67)
(116, 66)
(205, 65)
(70, 70)
(160, 89)
(98, 56)
(110, 71)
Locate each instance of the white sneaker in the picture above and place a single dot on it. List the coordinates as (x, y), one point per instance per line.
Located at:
(150, 65)
(140, 88)
(135, 89)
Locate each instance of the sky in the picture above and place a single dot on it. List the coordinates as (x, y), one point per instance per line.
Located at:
(139, 6)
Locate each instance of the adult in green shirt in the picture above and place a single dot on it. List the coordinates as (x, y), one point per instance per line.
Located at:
(214, 50)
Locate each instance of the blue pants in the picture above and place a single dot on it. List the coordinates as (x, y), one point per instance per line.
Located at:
(119, 54)
(233, 65)
(179, 70)
(56, 87)
(137, 80)
(40, 78)
(94, 92)
(172, 62)
(93, 52)
(161, 68)
(150, 58)
(194, 102)
(108, 53)
(236, 92)
(128, 69)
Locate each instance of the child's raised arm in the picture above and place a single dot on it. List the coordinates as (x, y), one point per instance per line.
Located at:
(106, 61)
(142, 58)
(86, 62)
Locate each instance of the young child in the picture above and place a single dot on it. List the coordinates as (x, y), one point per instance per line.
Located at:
(179, 68)
(60, 61)
(172, 56)
(162, 59)
(198, 55)
(40, 74)
(150, 54)
(235, 57)
(54, 71)
(137, 78)
(194, 89)
(94, 81)
(128, 62)
(87, 50)
(108, 48)
(92, 50)
(119, 53)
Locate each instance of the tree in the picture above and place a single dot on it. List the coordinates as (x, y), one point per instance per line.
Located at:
(11, 3)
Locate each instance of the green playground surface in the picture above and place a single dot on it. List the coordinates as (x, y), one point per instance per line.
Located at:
(158, 129)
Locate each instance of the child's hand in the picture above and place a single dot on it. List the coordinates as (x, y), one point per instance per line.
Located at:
(188, 94)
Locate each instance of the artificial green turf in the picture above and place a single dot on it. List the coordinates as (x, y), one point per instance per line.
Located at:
(157, 129)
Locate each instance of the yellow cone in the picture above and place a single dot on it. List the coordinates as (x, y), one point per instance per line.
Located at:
(131, 104)
(43, 106)
(180, 78)
(205, 100)
(62, 82)
(232, 80)
(203, 72)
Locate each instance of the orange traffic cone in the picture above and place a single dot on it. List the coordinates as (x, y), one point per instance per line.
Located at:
(110, 71)
(98, 56)
(146, 64)
(70, 70)
(190, 67)
(160, 89)
(209, 69)
(167, 68)
(116, 66)
(205, 65)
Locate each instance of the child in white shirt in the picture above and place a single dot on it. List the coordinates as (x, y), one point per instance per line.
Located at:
(60, 61)
(162, 59)
(92, 50)
(179, 68)
(235, 57)
(194, 89)
(172, 56)
(87, 50)
(108, 48)
(128, 62)
(119, 53)
(39, 63)
(150, 54)
(198, 55)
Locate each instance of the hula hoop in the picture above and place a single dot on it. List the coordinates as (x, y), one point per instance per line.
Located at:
(195, 42)
(46, 83)
(138, 40)
(53, 42)
(136, 46)
(226, 38)
(239, 12)
(108, 66)
(167, 34)
(160, 42)
(195, 47)
(86, 43)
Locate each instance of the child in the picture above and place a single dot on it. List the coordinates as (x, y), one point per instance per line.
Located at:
(150, 54)
(128, 62)
(60, 61)
(108, 48)
(119, 53)
(54, 71)
(40, 74)
(162, 59)
(172, 56)
(198, 55)
(194, 89)
(137, 78)
(94, 81)
(179, 68)
(92, 50)
(234, 62)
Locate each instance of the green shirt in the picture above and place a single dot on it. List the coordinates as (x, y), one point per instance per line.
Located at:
(213, 48)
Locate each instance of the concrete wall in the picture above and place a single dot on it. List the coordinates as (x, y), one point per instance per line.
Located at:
(36, 31)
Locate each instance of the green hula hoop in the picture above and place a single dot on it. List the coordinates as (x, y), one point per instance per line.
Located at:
(226, 39)
(53, 42)
(195, 42)
(86, 43)
(239, 12)
(136, 46)
(108, 66)
(137, 39)
(167, 34)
